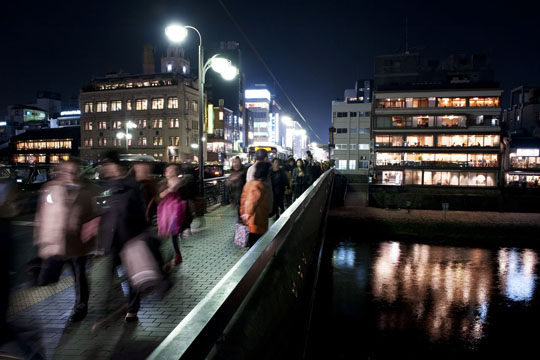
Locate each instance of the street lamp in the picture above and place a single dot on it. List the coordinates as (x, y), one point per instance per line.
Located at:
(126, 135)
(176, 34)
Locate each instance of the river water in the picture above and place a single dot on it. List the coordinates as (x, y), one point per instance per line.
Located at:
(389, 300)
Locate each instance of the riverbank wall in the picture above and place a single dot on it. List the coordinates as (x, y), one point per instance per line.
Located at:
(466, 228)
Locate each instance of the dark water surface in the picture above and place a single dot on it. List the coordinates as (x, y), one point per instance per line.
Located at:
(393, 300)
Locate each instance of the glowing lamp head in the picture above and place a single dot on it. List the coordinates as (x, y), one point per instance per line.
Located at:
(219, 64)
(176, 33)
(120, 135)
(229, 73)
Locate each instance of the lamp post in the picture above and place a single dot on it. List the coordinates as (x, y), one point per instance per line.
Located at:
(176, 34)
(126, 135)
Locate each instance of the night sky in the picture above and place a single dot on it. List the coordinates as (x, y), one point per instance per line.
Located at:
(316, 49)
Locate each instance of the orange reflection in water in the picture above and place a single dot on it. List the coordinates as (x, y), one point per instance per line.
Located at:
(447, 290)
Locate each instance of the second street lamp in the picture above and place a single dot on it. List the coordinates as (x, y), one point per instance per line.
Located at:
(126, 135)
(176, 34)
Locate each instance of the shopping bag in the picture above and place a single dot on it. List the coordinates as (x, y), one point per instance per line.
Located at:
(141, 267)
(241, 235)
(172, 215)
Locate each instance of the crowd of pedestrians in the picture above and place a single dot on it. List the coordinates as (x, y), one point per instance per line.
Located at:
(269, 189)
(76, 218)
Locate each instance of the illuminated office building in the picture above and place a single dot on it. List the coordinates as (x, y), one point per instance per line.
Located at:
(163, 108)
(258, 102)
(350, 131)
(438, 131)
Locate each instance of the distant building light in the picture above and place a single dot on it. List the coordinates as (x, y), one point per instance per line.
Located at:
(3, 123)
(169, 67)
(184, 69)
(528, 152)
(258, 94)
(70, 112)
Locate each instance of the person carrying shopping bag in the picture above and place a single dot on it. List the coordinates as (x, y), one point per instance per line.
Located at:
(254, 203)
(173, 212)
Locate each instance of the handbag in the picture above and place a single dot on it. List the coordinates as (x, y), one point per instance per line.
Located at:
(172, 215)
(241, 235)
(140, 264)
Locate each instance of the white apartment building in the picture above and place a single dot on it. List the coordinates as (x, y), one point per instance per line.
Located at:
(351, 123)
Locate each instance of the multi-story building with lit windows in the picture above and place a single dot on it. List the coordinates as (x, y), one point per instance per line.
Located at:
(45, 146)
(436, 122)
(221, 133)
(350, 131)
(258, 102)
(448, 137)
(164, 109)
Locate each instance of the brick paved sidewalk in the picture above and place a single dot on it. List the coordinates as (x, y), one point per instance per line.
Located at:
(208, 255)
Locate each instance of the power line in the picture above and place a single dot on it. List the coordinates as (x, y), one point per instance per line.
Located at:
(266, 66)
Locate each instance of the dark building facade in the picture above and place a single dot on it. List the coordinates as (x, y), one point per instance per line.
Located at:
(230, 94)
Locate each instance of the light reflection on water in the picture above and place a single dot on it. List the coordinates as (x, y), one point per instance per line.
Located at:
(447, 289)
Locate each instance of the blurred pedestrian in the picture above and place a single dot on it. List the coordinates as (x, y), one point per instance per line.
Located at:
(235, 183)
(254, 203)
(261, 156)
(147, 185)
(66, 223)
(313, 171)
(289, 167)
(173, 210)
(7, 193)
(299, 179)
(124, 225)
(279, 183)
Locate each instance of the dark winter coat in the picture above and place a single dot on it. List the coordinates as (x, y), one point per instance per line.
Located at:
(123, 214)
(279, 181)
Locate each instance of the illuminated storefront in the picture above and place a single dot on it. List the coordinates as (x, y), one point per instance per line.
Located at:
(523, 163)
(46, 146)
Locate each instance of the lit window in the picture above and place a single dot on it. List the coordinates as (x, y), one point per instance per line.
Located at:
(172, 103)
(141, 104)
(484, 102)
(88, 107)
(174, 123)
(342, 165)
(169, 67)
(221, 115)
(363, 146)
(101, 106)
(88, 126)
(116, 105)
(158, 140)
(128, 105)
(194, 106)
(157, 123)
(158, 103)
(352, 164)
